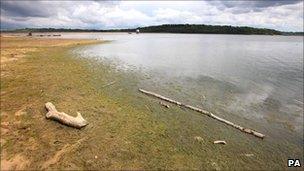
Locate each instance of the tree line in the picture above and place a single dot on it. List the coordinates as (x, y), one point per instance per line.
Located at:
(174, 28)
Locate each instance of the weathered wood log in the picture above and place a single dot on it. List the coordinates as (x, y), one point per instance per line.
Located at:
(246, 130)
(77, 122)
(220, 142)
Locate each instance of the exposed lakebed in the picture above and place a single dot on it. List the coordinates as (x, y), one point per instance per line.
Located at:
(131, 130)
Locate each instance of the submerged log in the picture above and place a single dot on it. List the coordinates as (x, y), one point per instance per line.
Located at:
(77, 122)
(246, 130)
(111, 83)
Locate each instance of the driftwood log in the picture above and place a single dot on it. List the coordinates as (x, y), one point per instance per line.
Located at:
(220, 142)
(246, 130)
(77, 122)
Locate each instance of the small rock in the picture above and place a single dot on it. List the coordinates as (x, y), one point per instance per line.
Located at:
(198, 138)
(220, 142)
(165, 105)
(95, 157)
(249, 155)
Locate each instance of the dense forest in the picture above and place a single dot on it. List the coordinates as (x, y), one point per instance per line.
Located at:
(174, 28)
(209, 29)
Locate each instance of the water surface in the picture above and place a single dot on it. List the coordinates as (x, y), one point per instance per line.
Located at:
(256, 77)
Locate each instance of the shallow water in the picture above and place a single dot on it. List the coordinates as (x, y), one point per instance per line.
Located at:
(256, 77)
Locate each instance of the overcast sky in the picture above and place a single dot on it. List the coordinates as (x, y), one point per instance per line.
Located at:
(281, 15)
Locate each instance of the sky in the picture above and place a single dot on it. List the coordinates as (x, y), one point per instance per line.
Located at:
(280, 15)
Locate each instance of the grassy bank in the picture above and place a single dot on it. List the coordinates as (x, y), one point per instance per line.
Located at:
(127, 130)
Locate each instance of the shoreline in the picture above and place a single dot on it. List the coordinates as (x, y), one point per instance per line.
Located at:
(23, 34)
(127, 130)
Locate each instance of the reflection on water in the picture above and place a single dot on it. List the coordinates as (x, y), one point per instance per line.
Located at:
(259, 77)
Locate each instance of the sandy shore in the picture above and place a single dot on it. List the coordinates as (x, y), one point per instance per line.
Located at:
(13, 48)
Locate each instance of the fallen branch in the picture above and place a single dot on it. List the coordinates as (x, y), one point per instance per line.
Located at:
(246, 130)
(64, 118)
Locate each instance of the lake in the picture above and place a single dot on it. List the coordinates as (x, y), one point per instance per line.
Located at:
(256, 77)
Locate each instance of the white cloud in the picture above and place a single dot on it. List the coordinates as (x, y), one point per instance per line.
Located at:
(168, 15)
(126, 14)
